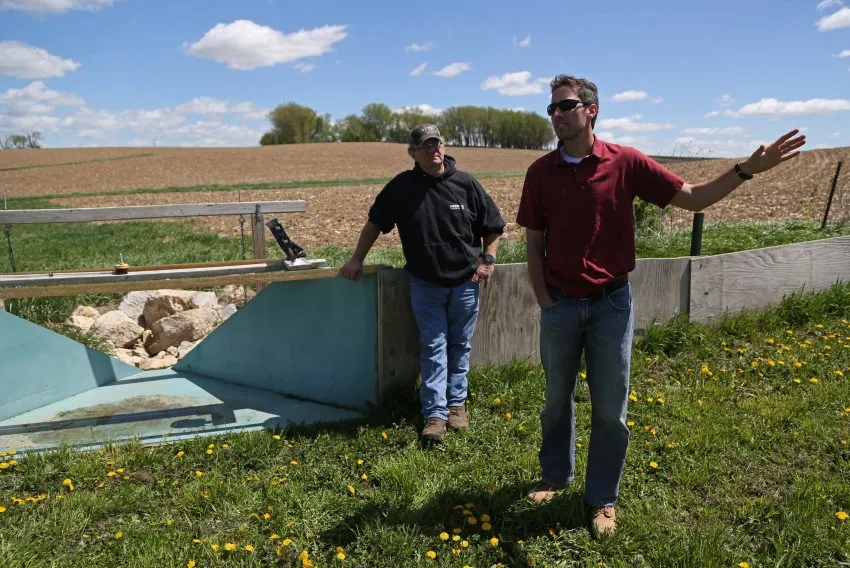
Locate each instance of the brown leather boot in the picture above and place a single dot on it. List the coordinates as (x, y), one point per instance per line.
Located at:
(434, 430)
(458, 418)
(603, 521)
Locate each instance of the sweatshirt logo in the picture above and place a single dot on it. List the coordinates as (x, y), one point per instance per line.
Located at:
(456, 207)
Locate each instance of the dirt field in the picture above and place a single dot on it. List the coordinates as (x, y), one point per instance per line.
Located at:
(796, 190)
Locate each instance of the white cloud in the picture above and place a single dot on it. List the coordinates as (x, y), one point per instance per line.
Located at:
(526, 42)
(418, 69)
(417, 47)
(835, 135)
(837, 20)
(629, 96)
(845, 53)
(425, 108)
(514, 84)
(305, 67)
(213, 106)
(244, 45)
(725, 99)
(714, 131)
(53, 6)
(35, 108)
(658, 100)
(453, 69)
(712, 114)
(824, 4)
(26, 61)
(720, 147)
(36, 98)
(632, 124)
(773, 107)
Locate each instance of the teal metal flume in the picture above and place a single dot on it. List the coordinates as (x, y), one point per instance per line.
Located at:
(299, 353)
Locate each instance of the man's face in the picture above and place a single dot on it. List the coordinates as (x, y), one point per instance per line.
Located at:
(571, 123)
(430, 154)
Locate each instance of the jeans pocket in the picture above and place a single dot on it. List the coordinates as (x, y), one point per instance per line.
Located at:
(621, 299)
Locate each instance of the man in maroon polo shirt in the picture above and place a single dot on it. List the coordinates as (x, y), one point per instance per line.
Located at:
(577, 208)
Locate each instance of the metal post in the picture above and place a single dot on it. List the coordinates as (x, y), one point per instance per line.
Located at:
(696, 234)
(831, 194)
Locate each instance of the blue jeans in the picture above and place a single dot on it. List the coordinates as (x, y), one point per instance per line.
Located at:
(602, 328)
(446, 318)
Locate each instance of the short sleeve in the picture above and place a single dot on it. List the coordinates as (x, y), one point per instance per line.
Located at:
(652, 182)
(488, 219)
(382, 211)
(531, 213)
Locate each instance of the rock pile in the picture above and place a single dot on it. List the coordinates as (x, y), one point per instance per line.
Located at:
(154, 329)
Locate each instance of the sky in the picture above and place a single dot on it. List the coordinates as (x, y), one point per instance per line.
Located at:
(683, 78)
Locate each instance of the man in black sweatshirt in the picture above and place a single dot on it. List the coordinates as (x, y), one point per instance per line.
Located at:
(449, 229)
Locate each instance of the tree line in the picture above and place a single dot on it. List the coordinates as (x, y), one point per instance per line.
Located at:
(21, 141)
(487, 127)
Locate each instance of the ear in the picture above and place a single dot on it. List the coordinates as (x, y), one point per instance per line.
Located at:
(410, 153)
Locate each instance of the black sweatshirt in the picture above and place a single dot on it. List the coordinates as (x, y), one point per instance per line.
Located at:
(441, 221)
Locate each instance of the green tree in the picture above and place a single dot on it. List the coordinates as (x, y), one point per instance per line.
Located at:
(377, 119)
(293, 123)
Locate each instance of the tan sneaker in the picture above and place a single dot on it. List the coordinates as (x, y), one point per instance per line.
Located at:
(603, 521)
(435, 429)
(544, 492)
(458, 418)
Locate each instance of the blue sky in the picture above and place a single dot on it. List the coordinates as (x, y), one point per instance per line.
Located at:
(715, 78)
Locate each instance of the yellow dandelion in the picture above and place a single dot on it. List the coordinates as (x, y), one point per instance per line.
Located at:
(494, 541)
(485, 518)
(286, 541)
(472, 520)
(457, 530)
(813, 380)
(225, 446)
(770, 341)
(842, 516)
(582, 376)
(486, 526)
(364, 477)
(340, 556)
(214, 546)
(249, 547)
(4, 465)
(210, 452)
(508, 416)
(181, 453)
(197, 540)
(359, 462)
(431, 554)
(630, 423)
(743, 565)
(444, 536)
(497, 401)
(169, 522)
(633, 397)
(384, 435)
(198, 473)
(456, 538)
(839, 373)
(351, 489)
(274, 536)
(190, 564)
(2, 509)
(653, 465)
(229, 546)
(276, 436)
(464, 543)
(119, 535)
(293, 462)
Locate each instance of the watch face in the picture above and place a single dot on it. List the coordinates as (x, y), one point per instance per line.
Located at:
(489, 259)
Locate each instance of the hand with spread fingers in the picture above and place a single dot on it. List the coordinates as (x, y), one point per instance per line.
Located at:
(784, 148)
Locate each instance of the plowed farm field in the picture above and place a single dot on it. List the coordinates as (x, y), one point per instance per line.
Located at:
(335, 212)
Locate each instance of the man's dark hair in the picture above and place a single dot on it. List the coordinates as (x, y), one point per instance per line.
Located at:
(586, 90)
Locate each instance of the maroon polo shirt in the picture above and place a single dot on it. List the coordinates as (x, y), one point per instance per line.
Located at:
(586, 211)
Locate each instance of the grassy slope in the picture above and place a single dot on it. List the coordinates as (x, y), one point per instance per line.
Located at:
(752, 466)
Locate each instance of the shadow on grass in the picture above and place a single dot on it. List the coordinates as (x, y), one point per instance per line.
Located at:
(514, 518)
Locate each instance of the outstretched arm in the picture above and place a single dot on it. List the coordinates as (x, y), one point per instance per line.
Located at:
(368, 235)
(696, 197)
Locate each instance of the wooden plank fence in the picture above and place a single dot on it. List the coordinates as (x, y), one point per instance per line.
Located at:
(703, 287)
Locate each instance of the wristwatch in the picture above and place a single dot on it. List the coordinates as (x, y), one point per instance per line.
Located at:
(488, 258)
(741, 173)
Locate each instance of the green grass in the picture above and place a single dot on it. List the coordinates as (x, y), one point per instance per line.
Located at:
(93, 160)
(722, 237)
(753, 465)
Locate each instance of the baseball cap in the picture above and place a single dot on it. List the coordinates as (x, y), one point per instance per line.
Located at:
(423, 132)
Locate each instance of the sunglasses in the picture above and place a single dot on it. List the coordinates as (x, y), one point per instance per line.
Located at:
(431, 144)
(564, 106)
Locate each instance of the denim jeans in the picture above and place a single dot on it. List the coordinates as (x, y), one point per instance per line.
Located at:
(446, 318)
(602, 328)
